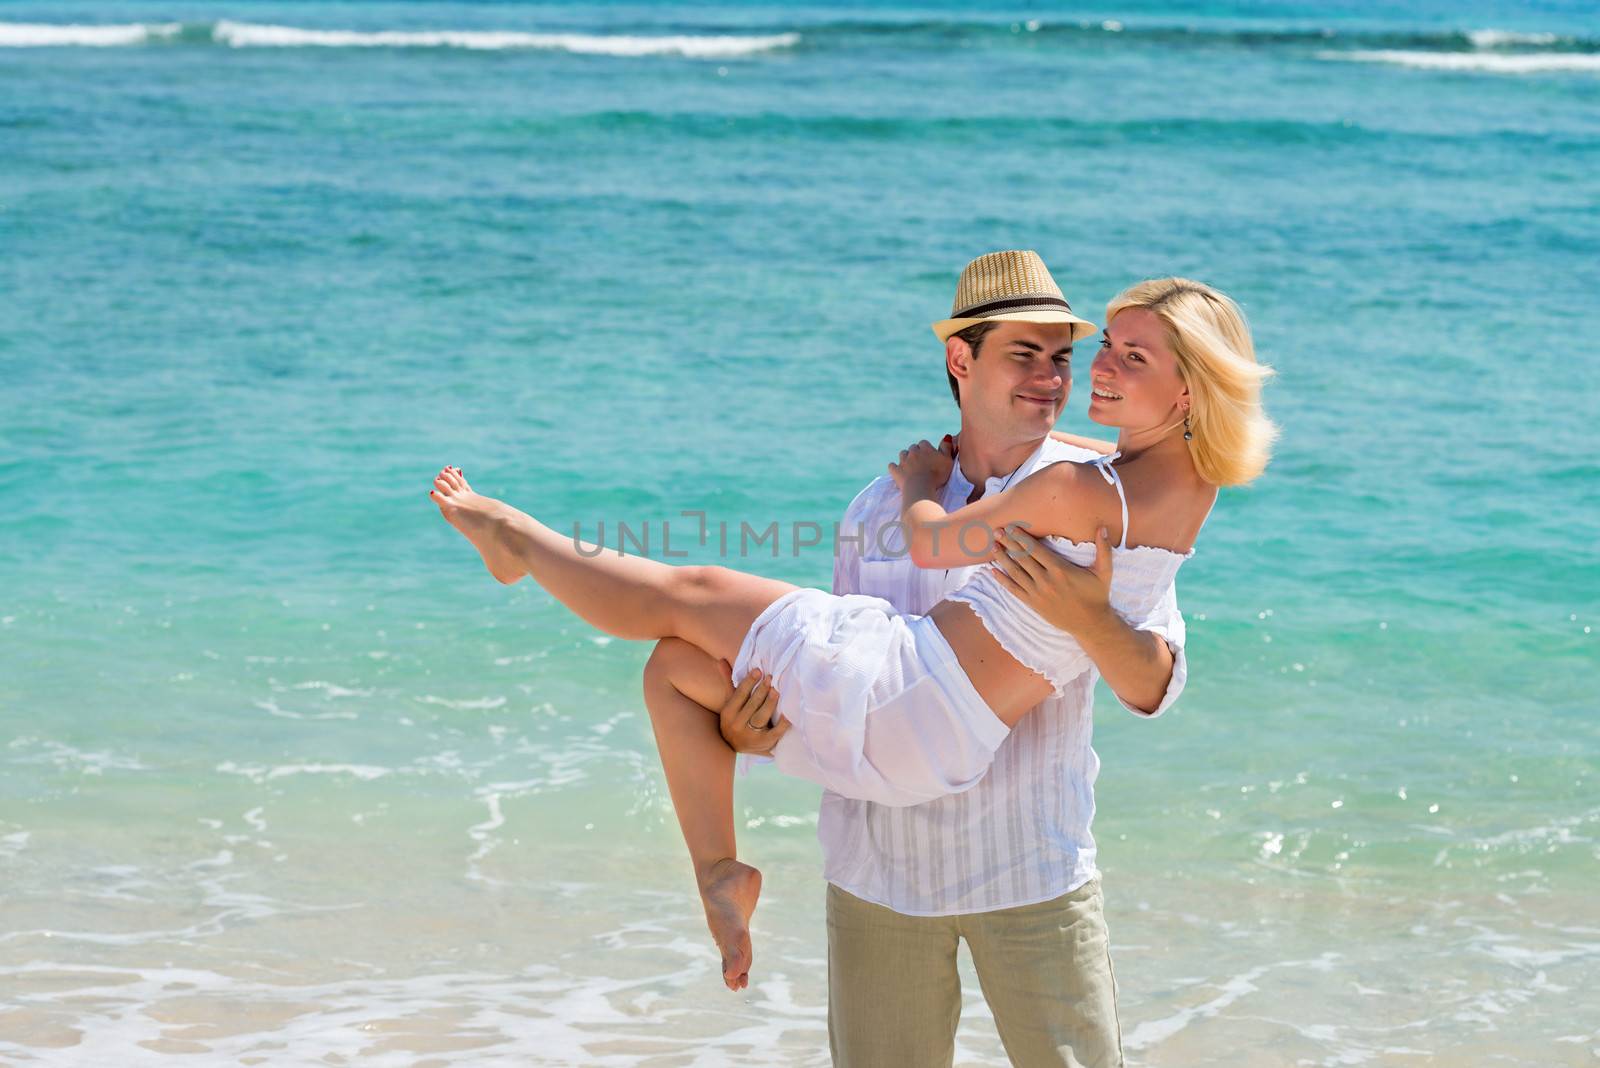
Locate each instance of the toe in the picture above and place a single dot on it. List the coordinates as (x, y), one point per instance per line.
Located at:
(737, 966)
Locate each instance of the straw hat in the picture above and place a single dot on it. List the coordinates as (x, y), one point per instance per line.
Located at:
(1009, 286)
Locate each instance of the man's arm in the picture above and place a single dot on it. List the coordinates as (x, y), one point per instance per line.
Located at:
(1165, 624)
(847, 556)
(1143, 663)
(1104, 448)
(1138, 665)
(847, 547)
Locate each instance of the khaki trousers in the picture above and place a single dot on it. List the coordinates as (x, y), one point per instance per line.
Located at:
(894, 997)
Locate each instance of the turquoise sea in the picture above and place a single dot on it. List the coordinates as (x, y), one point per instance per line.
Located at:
(287, 779)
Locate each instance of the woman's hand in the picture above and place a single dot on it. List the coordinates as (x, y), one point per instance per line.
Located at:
(923, 465)
(745, 719)
(1067, 596)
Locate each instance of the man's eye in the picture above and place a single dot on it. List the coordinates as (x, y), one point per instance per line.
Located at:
(1064, 360)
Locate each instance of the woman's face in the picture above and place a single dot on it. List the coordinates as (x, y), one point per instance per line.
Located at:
(1134, 378)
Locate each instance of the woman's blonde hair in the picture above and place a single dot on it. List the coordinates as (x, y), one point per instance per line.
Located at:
(1232, 436)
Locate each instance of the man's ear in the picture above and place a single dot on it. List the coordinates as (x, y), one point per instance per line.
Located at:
(957, 357)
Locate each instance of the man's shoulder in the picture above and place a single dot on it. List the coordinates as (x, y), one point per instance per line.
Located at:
(1057, 451)
(871, 497)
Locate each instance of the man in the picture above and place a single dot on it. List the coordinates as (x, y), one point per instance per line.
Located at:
(1010, 864)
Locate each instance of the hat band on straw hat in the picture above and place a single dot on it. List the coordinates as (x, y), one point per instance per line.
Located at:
(990, 307)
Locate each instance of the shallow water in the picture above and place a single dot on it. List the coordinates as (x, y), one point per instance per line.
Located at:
(289, 778)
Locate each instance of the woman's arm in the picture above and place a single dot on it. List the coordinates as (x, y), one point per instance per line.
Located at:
(1104, 448)
(936, 538)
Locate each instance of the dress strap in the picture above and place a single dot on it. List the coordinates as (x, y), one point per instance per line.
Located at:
(1110, 474)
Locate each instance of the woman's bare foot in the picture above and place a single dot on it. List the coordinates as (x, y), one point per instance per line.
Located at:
(729, 891)
(478, 517)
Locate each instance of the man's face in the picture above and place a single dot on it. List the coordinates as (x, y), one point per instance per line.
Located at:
(1019, 381)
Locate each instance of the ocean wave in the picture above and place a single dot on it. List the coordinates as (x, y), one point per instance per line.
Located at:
(1480, 62)
(260, 35)
(258, 773)
(1031, 31)
(719, 46)
(50, 35)
(719, 42)
(1509, 39)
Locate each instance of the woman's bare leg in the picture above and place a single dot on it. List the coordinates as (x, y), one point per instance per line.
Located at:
(682, 685)
(703, 614)
(626, 596)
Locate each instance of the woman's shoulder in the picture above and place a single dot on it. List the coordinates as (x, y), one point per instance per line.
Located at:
(1072, 479)
(1168, 513)
(1071, 468)
(1069, 499)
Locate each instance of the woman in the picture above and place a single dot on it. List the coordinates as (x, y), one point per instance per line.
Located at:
(899, 708)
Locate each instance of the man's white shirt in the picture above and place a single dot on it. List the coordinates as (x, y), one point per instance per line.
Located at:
(1022, 834)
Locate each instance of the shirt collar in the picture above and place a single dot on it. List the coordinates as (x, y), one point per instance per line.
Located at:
(962, 486)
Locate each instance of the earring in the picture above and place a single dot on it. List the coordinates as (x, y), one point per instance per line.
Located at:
(1186, 435)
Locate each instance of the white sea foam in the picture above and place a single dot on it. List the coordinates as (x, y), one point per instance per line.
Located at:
(126, 1016)
(70, 758)
(1477, 62)
(1502, 38)
(14, 843)
(259, 773)
(284, 713)
(50, 35)
(333, 689)
(254, 35)
(1154, 1032)
(465, 703)
(480, 833)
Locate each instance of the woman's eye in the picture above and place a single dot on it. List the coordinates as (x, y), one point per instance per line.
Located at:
(1135, 356)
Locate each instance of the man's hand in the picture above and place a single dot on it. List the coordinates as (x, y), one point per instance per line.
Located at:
(745, 719)
(1070, 597)
(1136, 664)
(924, 466)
